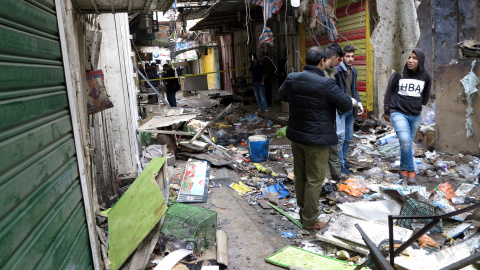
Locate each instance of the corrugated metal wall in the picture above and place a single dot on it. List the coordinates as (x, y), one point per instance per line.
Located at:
(42, 217)
(351, 26)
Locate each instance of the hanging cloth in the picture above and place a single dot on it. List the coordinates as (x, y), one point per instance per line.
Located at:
(325, 23)
(469, 92)
(270, 7)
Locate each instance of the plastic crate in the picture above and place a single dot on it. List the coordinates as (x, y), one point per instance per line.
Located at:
(412, 207)
(191, 223)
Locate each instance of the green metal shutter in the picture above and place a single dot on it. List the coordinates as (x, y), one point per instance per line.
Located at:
(42, 217)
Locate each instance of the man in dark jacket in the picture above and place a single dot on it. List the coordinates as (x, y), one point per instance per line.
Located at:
(313, 100)
(170, 84)
(346, 78)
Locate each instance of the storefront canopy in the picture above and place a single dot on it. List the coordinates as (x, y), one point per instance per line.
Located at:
(227, 15)
(110, 6)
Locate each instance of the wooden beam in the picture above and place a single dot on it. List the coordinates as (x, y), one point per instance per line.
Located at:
(95, 6)
(176, 132)
(369, 63)
(147, 5)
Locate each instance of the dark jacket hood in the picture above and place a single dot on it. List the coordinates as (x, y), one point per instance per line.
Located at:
(421, 61)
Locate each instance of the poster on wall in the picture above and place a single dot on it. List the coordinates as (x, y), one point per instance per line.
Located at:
(194, 185)
(98, 99)
(162, 36)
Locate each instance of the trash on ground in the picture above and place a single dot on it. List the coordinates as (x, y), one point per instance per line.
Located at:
(193, 226)
(291, 256)
(126, 233)
(194, 186)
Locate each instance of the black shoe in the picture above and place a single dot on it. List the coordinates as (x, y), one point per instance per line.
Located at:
(340, 177)
(348, 166)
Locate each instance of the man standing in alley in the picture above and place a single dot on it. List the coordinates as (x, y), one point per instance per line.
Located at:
(346, 78)
(313, 101)
(170, 84)
(258, 81)
(269, 67)
(334, 52)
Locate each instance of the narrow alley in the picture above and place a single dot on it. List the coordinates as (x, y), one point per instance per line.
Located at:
(239, 134)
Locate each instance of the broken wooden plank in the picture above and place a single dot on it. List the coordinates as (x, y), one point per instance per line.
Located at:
(212, 158)
(165, 121)
(144, 202)
(229, 108)
(175, 132)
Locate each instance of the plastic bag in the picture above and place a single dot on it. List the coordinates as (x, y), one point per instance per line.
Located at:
(282, 132)
(376, 172)
(426, 241)
(447, 190)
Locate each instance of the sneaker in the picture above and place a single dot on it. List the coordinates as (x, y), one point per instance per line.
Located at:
(403, 175)
(412, 178)
(345, 171)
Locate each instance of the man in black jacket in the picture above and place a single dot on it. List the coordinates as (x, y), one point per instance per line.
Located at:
(313, 100)
(170, 84)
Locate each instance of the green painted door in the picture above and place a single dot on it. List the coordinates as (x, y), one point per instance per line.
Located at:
(42, 217)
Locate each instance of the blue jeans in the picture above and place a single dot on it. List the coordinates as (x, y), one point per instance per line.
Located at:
(171, 99)
(259, 91)
(345, 134)
(406, 127)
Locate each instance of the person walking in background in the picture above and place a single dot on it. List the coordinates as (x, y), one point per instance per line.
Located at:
(313, 101)
(346, 78)
(334, 52)
(406, 94)
(170, 84)
(269, 67)
(258, 80)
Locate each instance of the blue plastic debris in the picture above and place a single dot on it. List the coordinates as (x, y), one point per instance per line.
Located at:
(289, 234)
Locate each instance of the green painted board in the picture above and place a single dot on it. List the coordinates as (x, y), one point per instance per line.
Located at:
(294, 256)
(135, 214)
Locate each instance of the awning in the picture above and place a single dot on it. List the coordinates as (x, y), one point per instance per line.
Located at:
(111, 6)
(228, 15)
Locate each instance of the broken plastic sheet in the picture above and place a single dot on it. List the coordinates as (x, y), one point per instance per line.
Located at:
(172, 259)
(387, 150)
(342, 226)
(419, 259)
(280, 189)
(377, 211)
(409, 190)
(464, 189)
(291, 257)
(468, 93)
(397, 33)
(241, 188)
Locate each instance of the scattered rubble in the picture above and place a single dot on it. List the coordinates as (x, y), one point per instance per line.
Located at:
(446, 182)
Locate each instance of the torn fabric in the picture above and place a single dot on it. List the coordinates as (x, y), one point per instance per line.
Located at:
(270, 7)
(397, 33)
(468, 93)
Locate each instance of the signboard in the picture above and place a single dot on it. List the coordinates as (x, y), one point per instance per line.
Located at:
(186, 56)
(186, 45)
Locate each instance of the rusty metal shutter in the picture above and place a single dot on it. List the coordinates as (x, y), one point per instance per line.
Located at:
(42, 217)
